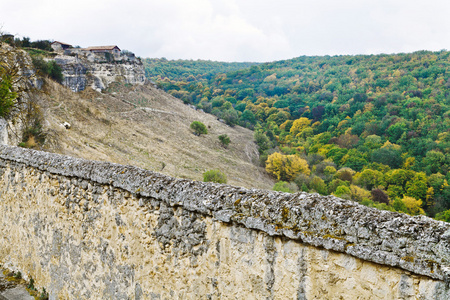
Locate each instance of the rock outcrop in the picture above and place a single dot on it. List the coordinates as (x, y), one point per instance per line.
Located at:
(83, 68)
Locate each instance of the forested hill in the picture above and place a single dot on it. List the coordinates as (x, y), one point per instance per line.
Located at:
(188, 70)
(371, 128)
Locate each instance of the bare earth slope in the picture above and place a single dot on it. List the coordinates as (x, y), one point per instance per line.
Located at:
(145, 127)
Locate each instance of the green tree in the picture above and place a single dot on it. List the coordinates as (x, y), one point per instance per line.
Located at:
(417, 187)
(214, 176)
(435, 162)
(335, 183)
(262, 141)
(336, 154)
(230, 116)
(343, 191)
(224, 140)
(437, 182)
(370, 178)
(354, 159)
(443, 216)
(399, 177)
(386, 156)
(199, 128)
(7, 95)
(318, 185)
(287, 187)
(50, 68)
(55, 71)
(248, 116)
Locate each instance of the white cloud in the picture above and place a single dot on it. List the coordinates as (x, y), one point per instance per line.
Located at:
(235, 30)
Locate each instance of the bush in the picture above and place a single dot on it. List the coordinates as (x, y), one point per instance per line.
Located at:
(7, 96)
(318, 185)
(199, 128)
(230, 116)
(345, 174)
(343, 191)
(55, 71)
(379, 196)
(50, 68)
(302, 181)
(443, 216)
(214, 176)
(335, 183)
(224, 140)
(287, 187)
(358, 194)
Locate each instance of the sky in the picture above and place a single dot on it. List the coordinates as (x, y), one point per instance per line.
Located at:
(235, 30)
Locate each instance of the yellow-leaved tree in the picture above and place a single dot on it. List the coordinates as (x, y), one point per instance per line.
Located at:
(299, 125)
(413, 206)
(286, 167)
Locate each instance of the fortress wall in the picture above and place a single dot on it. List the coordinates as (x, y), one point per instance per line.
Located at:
(96, 230)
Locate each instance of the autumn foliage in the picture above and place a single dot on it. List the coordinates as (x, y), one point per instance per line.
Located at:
(286, 167)
(359, 124)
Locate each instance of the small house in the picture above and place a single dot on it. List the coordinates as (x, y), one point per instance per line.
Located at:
(58, 46)
(104, 49)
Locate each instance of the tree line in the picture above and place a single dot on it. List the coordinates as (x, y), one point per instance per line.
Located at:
(371, 128)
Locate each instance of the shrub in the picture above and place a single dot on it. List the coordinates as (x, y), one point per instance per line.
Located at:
(343, 191)
(302, 181)
(230, 116)
(55, 71)
(224, 140)
(335, 183)
(33, 135)
(287, 187)
(358, 194)
(199, 128)
(345, 174)
(214, 176)
(7, 96)
(443, 216)
(51, 68)
(379, 196)
(262, 141)
(318, 185)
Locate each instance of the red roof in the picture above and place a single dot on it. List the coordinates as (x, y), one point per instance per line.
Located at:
(61, 43)
(102, 48)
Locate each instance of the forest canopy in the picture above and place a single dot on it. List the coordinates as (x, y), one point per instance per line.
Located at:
(371, 128)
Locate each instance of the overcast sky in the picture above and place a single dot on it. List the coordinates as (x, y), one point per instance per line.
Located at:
(233, 30)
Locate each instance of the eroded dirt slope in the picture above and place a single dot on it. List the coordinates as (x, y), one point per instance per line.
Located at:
(145, 127)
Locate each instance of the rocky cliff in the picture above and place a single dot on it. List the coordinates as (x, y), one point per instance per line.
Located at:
(83, 68)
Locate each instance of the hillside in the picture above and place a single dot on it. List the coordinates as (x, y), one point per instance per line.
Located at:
(189, 70)
(383, 120)
(145, 127)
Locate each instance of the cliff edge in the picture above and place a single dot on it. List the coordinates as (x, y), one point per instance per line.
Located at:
(83, 67)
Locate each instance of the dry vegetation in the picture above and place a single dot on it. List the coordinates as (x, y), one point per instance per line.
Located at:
(145, 127)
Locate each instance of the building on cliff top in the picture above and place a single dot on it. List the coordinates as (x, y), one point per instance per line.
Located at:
(101, 49)
(59, 46)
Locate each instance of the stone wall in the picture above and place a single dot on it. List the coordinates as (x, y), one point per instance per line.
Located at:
(96, 230)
